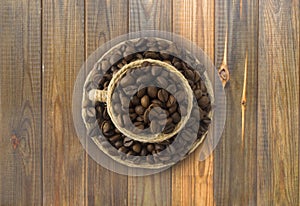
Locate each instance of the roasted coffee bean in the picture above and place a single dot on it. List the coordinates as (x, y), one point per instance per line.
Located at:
(130, 153)
(133, 116)
(136, 147)
(172, 109)
(171, 101)
(190, 75)
(118, 144)
(165, 56)
(198, 93)
(145, 101)
(135, 100)
(178, 65)
(151, 55)
(152, 91)
(141, 92)
(143, 152)
(139, 110)
(176, 117)
(150, 148)
(106, 127)
(127, 142)
(156, 103)
(114, 58)
(123, 149)
(203, 102)
(163, 95)
(169, 128)
(115, 138)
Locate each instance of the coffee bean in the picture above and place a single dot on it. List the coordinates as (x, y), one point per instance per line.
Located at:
(136, 148)
(133, 116)
(176, 117)
(123, 149)
(163, 95)
(203, 87)
(118, 144)
(106, 126)
(172, 109)
(115, 138)
(135, 100)
(156, 103)
(150, 148)
(127, 142)
(203, 102)
(152, 92)
(178, 65)
(190, 75)
(171, 101)
(143, 152)
(139, 110)
(141, 92)
(165, 56)
(146, 116)
(198, 93)
(145, 101)
(169, 128)
(151, 55)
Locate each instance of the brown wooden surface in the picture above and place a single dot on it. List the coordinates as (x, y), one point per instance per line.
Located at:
(43, 45)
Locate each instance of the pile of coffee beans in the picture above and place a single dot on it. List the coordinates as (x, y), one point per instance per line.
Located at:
(147, 105)
(157, 104)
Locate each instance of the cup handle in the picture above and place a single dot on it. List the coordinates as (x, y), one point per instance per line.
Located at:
(96, 95)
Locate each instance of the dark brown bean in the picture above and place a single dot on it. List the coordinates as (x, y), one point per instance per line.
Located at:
(163, 95)
(150, 148)
(127, 142)
(176, 117)
(152, 92)
(203, 102)
(139, 110)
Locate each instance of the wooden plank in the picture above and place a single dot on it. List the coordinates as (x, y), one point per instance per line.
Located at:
(278, 103)
(105, 20)
(235, 157)
(192, 181)
(154, 189)
(20, 103)
(63, 55)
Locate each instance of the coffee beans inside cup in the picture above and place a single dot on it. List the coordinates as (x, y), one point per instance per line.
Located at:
(150, 100)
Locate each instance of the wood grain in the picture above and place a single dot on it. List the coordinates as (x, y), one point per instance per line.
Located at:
(154, 189)
(278, 103)
(63, 54)
(105, 20)
(20, 103)
(192, 181)
(235, 157)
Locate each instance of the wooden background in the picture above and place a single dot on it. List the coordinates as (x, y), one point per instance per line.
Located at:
(43, 43)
